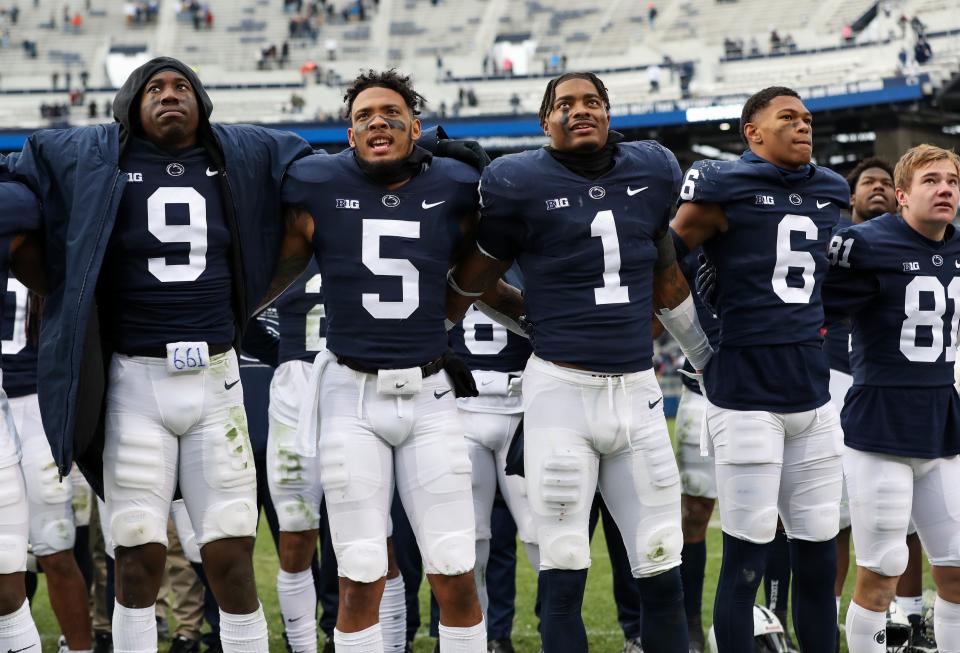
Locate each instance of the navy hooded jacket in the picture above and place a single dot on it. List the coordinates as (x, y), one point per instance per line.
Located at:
(76, 175)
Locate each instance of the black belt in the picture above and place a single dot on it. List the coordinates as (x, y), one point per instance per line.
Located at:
(161, 352)
(427, 369)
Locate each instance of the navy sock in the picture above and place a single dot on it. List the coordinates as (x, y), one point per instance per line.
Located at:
(814, 605)
(561, 600)
(664, 620)
(740, 576)
(692, 572)
(776, 578)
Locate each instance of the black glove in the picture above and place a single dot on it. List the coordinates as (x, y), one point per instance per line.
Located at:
(706, 284)
(460, 376)
(514, 460)
(469, 152)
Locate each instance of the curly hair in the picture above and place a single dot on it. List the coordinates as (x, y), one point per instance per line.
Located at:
(870, 162)
(550, 94)
(759, 101)
(390, 79)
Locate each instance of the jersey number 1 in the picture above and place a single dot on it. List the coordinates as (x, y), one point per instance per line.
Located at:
(604, 228)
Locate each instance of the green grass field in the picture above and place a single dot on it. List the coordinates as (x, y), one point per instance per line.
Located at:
(599, 613)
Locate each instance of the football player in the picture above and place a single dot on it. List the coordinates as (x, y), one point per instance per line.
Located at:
(149, 226)
(586, 219)
(385, 220)
(765, 220)
(49, 499)
(18, 632)
(496, 357)
(295, 480)
(896, 277)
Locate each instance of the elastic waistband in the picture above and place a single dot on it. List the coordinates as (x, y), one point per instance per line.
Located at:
(216, 359)
(161, 352)
(586, 377)
(427, 369)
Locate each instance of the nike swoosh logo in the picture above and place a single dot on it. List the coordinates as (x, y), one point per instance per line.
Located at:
(227, 386)
(487, 382)
(651, 404)
(26, 648)
(437, 395)
(290, 621)
(820, 206)
(425, 205)
(633, 191)
(400, 385)
(212, 173)
(956, 264)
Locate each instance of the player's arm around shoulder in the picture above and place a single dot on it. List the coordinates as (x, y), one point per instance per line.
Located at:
(851, 282)
(700, 215)
(488, 252)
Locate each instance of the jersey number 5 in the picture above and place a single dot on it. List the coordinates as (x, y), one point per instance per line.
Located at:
(932, 318)
(373, 231)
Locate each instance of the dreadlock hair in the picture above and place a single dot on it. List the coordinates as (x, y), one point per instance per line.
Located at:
(870, 162)
(550, 95)
(758, 102)
(390, 79)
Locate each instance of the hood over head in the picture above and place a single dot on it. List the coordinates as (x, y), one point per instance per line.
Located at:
(126, 104)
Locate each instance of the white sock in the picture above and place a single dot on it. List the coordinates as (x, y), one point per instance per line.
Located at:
(480, 573)
(244, 633)
(472, 639)
(368, 640)
(946, 625)
(134, 629)
(297, 596)
(909, 605)
(393, 616)
(18, 631)
(866, 630)
(838, 610)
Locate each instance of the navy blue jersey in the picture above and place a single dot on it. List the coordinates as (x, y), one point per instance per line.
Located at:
(19, 212)
(384, 254)
(836, 343)
(770, 262)
(19, 355)
(302, 317)
(586, 249)
(689, 265)
(902, 292)
(167, 274)
(484, 344)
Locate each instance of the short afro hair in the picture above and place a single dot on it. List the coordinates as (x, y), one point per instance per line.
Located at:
(759, 101)
(550, 94)
(390, 79)
(869, 162)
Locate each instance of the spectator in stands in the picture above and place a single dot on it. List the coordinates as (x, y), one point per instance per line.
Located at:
(439, 68)
(919, 27)
(686, 76)
(471, 98)
(922, 51)
(92, 109)
(653, 76)
(563, 63)
(515, 102)
(508, 67)
(902, 58)
(84, 78)
(651, 13)
(284, 54)
(14, 13)
(847, 34)
(54, 79)
(789, 43)
(67, 79)
(902, 22)
(775, 42)
(331, 46)
(76, 22)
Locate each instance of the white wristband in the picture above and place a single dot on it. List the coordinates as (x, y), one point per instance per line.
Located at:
(684, 326)
(457, 289)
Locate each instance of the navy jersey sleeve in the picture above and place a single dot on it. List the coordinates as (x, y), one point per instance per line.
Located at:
(20, 209)
(672, 177)
(501, 232)
(851, 283)
(301, 177)
(702, 183)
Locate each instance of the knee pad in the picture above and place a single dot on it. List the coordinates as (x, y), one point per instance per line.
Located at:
(135, 526)
(696, 482)
(893, 561)
(362, 562)
(658, 550)
(295, 515)
(237, 518)
(449, 537)
(760, 526)
(563, 549)
(57, 535)
(53, 490)
(820, 523)
(13, 554)
(453, 554)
